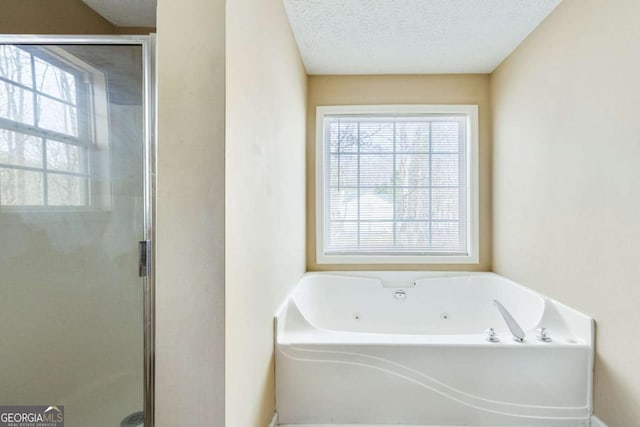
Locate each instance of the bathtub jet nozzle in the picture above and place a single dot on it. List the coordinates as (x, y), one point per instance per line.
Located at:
(516, 331)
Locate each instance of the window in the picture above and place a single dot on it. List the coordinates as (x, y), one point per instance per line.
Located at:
(397, 184)
(46, 134)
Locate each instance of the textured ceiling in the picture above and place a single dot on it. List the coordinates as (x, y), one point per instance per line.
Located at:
(126, 13)
(411, 36)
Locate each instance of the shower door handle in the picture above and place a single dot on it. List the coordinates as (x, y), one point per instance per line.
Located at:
(144, 267)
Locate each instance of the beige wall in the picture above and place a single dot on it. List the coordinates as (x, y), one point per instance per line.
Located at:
(265, 203)
(190, 213)
(402, 89)
(57, 17)
(567, 179)
(51, 17)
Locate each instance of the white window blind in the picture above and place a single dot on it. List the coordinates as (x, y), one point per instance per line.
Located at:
(395, 184)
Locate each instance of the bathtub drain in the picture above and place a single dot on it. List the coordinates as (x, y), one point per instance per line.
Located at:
(131, 420)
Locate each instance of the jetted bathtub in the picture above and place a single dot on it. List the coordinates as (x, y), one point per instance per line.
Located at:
(410, 348)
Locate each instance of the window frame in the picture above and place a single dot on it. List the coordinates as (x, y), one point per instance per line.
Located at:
(470, 111)
(91, 95)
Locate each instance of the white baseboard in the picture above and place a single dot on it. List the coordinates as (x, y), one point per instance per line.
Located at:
(274, 420)
(597, 422)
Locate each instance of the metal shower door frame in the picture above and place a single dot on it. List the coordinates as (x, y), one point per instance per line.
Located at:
(148, 44)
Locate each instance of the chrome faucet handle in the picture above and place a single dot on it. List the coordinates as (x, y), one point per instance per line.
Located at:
(543, 335)
(491, 335)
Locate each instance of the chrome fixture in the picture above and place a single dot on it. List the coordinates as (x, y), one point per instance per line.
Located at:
(516, 331)
(132, 420)
(492, 336)
(543, 335)
(400, 294)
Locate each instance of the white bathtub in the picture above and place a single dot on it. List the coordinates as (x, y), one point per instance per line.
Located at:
(409, 348)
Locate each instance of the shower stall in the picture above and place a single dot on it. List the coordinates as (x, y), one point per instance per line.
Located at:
(76, 227)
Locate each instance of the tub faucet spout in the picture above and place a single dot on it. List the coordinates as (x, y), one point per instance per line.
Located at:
(516, 331)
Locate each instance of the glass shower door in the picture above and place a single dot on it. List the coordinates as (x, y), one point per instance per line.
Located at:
(74, 205)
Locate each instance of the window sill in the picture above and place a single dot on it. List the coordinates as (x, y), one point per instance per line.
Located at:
(398, 259)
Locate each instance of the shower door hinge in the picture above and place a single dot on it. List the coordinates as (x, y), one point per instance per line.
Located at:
(144, 267)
